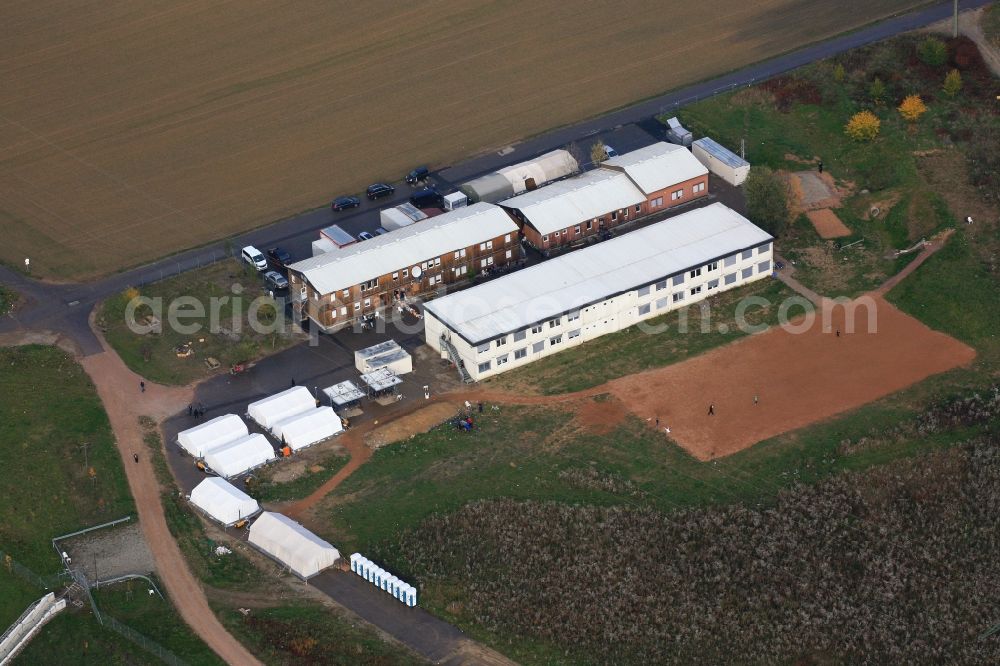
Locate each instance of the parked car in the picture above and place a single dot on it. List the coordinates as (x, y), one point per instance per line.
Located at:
(364, 235)
(343, 203)
(275, 280)
(280, 256)
(426, 198)
(379, 190)
(252, 256)
(380, 231)
(420, 173)
(610, 152)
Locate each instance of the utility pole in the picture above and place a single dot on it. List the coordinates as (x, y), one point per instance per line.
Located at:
(85, 465)
(954, 20)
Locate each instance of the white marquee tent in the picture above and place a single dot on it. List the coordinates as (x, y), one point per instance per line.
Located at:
(268, 411)
(240, 456)
(304, 553)
(223, 501)
(212, 434)
(306, 429)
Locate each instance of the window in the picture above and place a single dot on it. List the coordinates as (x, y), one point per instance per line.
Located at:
(331, 298)
(371, 284)
(696, 290)
(509, 254)
(713, 284)
(482, 263)
(520, 335)
(590, 225)
(536, 329)
(747, 254)
(485, 347)
(714, 266)
(482, 246)
(489, 245)
(625, 213)
(555, 340)
(437, 261)
(678, 279)
(545, 238)
(506, 239)
(696, 272)
(577, 229)
(347, 293)
(678, 297)
(614, 215)
(436, 279)
(731, 278)
(395, 276)
(343, 311)
(730, 260)
(457, 255)
(459, 270)
(766, 247)
(315, 295)
(357, 306)
(501, 341)
(656, 203)
(333, 313)
(644, 309)
(644, 291)
(764, 267)
(406, 272)
(484, 367)
(677, 194)
(423, 265)
(638, 208)
(520, 353)
(501, 360)
(553, 323)
(662, 284)
(538, 347)
(573, 316)
(698, 187)
(368, 302)
(574, 334)
(747, 273)
(662, 303)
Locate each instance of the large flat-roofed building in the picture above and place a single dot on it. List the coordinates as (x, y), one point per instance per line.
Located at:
(631, 186)
(336, 288)
(563, 302)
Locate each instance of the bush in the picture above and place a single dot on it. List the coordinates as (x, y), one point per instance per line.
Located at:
(912, 108)
(863, 126)
(932, 51)
(767, 200)
(876, 91)
(952, 83)
(839, 73)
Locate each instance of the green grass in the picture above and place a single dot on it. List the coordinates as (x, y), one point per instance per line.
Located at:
(991, 24)
(7, 300)
(48, 411)
(633, 349)
(228, 284)
(310, 633)
(267, 490)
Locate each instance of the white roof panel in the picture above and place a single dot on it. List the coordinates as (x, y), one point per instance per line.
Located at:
(346, 267)
(223, 501)
(304, 553)
(268, 411)
(659, 166)
(516, 301)
(305, 429)
(212, 434)
(240, 456)
(569, 202)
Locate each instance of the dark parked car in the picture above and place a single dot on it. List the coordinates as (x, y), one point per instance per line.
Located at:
(379, 190)
(420, 173)
(379, 231)
(279, 256)
(275, 280)
(427, 198)
(364, 235)
(342, 203)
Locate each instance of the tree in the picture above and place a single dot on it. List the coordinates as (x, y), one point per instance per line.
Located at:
(767, 200)
(877, 91)
(839, 73)
(952, 83)
(863, 126)
(912, 108)
(932, 51)
(598, 153)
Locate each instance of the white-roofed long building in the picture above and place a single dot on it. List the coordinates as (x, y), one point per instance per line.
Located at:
(335, 288)
(565, 301)
(634, 185)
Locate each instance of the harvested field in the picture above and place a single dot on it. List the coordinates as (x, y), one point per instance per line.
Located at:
(827, 224)
(800, 377)
(130, 131)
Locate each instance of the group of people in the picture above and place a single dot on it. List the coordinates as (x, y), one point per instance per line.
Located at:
(196, 411)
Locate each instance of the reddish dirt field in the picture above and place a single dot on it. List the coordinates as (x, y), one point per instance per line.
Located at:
(800, 377)
(601, 416)
(827, 224)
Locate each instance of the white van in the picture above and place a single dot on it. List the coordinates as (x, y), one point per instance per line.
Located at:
(253, 256)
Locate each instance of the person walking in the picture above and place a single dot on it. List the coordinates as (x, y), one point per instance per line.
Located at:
(293, 381)
(838, 332)
(142, 387)
(135, 456)
(711, 409)
(480, 406)
(190, 409)
(754, 398)
(657, 421)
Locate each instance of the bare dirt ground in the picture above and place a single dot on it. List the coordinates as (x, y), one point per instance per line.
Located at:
(827, 224)
(118, 388)
(111, 552)
(132, 130)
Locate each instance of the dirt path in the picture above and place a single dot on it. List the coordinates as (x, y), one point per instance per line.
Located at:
(118, 388)
(968, 25)
(933, 245)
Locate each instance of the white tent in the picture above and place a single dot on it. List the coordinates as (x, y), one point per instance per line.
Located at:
(240, 456)
(223, 501)
(304, 553)
(305, 429)
(280, 406)
(211, 434)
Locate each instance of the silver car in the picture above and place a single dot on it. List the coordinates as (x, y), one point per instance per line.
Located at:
(275, 280)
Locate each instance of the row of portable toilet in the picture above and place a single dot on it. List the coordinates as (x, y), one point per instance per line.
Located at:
(383, 580)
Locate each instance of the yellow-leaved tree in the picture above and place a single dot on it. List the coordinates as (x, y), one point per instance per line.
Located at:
(863, 126)
(912, 108)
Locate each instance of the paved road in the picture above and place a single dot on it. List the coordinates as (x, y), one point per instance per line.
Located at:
(65, 307)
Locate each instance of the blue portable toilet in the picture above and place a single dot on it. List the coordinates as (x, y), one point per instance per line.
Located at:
(400, 593)
(391, 585)
(411, 596)
(355, 562)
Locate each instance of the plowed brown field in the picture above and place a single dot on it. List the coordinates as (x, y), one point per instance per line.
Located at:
(129, 130)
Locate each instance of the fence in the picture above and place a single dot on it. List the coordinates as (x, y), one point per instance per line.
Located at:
(147, 644)
(50, 582)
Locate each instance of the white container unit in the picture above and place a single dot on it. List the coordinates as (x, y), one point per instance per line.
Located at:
(392, 586)
(355, 561)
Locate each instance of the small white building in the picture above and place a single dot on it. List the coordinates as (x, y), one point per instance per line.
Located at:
(721, 161)
(400, 216)
(221, 430)
(223, 501)
(563, 302)
(386, 354)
